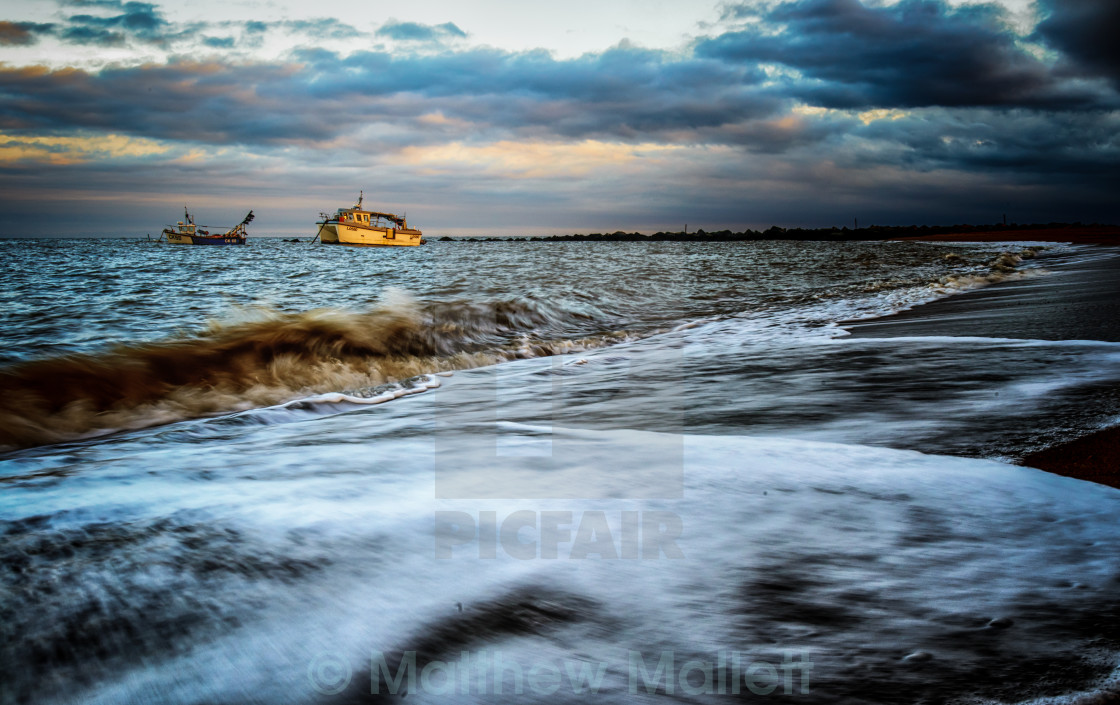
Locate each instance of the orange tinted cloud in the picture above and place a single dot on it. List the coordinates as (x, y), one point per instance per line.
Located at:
(536, 159)
(74, 150)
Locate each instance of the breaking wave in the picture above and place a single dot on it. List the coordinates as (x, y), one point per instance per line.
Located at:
(264, 357)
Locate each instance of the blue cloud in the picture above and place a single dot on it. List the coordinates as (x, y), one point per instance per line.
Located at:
(93, 35)
(416, 32)
(219, 42)
(138, 20)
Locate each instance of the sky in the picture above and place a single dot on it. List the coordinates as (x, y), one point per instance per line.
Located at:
(526, 118)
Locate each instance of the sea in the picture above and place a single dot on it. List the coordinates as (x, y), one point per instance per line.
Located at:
(504, 471)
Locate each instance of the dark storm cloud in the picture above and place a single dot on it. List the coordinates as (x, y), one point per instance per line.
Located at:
(622, 93)
(181, 100)
(625, 93)
(915, 53)
(23, 33)
(1026, 143)
(414, 31)
(1085, 31)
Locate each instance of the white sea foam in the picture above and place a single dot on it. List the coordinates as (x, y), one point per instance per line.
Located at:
(392, 392)
(778, 534)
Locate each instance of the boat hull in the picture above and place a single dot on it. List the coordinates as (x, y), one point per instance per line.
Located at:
(185, 239)
(363, 236)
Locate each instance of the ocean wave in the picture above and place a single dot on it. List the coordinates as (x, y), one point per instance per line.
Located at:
(955, 283)
(890, 296)
(260, 357)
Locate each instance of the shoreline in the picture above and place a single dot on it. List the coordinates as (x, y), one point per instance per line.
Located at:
(1080, 302)
(1102, 235)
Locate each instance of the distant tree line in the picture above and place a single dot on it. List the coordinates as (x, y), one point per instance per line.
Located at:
(871, 232)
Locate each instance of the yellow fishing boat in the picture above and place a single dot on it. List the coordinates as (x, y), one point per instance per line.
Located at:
(356, 226)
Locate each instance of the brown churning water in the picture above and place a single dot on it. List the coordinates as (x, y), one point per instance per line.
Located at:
(272, 358)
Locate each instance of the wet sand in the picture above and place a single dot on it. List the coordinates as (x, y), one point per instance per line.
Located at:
(1078, 301)
(1095, 458)
(1087, 235)
(1075, 302)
